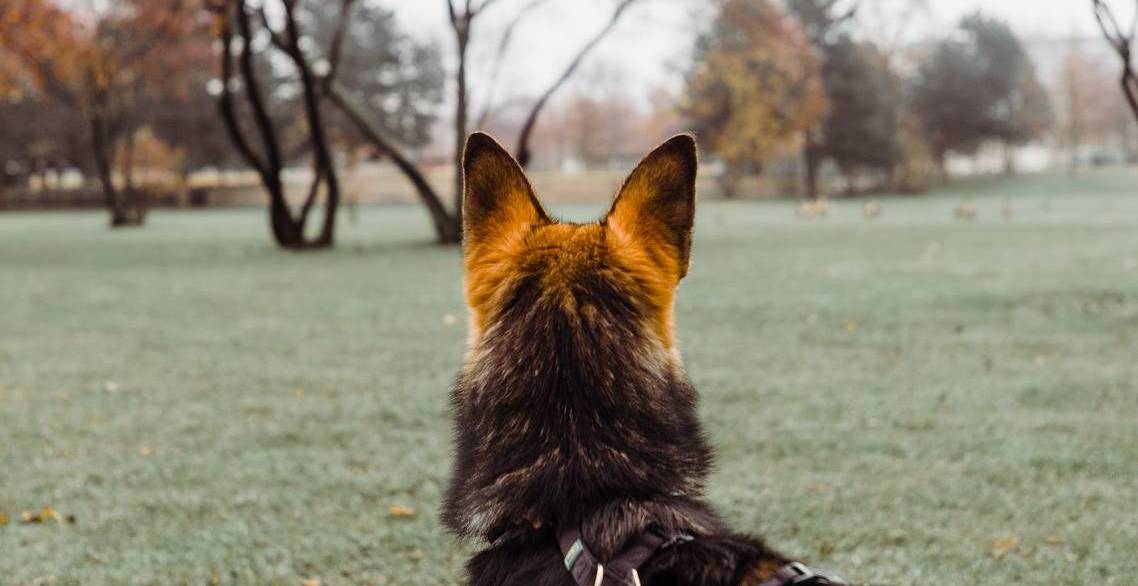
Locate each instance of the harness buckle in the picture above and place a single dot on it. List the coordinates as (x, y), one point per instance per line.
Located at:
(797, 573)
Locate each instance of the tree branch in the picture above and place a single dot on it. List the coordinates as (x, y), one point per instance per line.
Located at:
(531, 119)
(256, 99)
(313, 191)
(500, 58)
(453, 13)
(337, 43)
(1122, 44)
(225, 103)
(445, 225)
(325, 166)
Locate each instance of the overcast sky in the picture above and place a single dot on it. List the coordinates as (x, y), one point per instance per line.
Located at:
(654, 39)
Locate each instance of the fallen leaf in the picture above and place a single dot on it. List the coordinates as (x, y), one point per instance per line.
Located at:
(401, 512)
(4, 519)
(312, 582)
(851, 326)
(110, 386)
(145, 451)
(299, 392)
(449, 319)
(1004, 545)
(1054, 540)
(825, 550)
(41, 516)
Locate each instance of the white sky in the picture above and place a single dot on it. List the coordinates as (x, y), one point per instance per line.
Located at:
(654, 39)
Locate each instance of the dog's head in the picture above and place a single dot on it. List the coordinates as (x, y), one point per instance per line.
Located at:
(639, 251)
(572, 391)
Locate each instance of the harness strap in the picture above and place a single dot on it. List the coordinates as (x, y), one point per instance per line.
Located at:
(587, 570)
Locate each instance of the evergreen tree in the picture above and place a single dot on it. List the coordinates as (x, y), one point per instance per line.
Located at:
(861, 129)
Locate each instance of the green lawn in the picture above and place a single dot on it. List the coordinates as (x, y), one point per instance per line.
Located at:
(910, 400)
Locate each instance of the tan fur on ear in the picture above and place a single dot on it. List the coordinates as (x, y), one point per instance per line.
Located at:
(655, 209)
(499, 210)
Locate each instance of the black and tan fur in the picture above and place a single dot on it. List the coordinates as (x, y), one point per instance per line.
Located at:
(573, 406)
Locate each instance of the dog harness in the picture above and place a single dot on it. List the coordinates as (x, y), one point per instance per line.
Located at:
(623, 569)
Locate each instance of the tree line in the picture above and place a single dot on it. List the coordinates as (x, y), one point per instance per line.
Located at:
(109, 88)
(769, 77)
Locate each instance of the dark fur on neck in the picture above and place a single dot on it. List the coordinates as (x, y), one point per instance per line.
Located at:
(575, 413)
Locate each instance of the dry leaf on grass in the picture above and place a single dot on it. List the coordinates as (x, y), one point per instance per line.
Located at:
(401, 512)
(4, 519)
(1005, 545)
(312, 582)
(44, 515)
(851, 326)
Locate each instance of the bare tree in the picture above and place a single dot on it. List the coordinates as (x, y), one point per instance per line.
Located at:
(1122, 43)
(235, 26)
(462, 15)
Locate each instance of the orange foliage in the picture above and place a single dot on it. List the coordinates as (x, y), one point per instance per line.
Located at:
(757, 83)
(79, 56)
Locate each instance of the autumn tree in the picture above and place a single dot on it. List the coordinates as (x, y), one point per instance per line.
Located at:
(101, 62)
(754, 86)
(40, 134)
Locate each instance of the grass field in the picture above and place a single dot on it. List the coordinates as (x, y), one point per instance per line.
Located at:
(909, 400)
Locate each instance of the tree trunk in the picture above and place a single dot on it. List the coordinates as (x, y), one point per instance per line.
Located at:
(121, 214)
(128, 165)
(729, 181)
(324, 159)
(463, 37)
(811, 160)
(1009, 160)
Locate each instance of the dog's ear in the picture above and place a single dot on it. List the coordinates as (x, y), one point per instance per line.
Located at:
(656, 205)
(498, 203)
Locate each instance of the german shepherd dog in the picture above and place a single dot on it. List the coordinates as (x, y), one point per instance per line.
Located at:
(580, 459)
